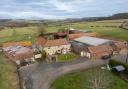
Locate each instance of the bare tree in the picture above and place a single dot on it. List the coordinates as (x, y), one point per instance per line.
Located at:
(41, 30)
(14, 32)
(98, 79)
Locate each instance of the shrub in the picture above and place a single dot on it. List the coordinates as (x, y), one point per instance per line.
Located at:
(113, 63)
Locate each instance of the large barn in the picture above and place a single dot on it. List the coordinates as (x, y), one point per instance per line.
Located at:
(83, 44)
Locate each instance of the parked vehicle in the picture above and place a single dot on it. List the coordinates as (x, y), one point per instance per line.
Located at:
(106, 57)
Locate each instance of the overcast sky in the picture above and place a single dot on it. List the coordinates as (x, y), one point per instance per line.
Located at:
(60, 9)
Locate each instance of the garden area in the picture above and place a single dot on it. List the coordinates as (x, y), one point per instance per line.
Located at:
(95, 78)
(66, 57)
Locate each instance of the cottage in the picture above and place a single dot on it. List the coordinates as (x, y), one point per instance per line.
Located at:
(52, 47)
(18, 53)
(99, 51)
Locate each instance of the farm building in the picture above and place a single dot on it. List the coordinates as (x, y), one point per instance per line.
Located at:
(73, 31)
(48, 36)
(40, 42)
(77, 35)
(92, 41)
(99, 51)
(119, 46)
(52, 47)
(59, 35)
(18, 54)
(80, 45)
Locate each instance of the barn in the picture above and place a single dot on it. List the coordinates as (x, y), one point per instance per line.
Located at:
(81, 45)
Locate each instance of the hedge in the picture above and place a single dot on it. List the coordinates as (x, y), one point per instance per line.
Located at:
(113, 63)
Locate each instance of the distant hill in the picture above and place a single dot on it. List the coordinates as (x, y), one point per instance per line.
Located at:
(113, 17)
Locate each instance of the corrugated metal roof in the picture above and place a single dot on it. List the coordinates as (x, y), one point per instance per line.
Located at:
(119, 68)
(92, 40)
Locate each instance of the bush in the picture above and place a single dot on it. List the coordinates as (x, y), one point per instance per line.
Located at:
(113, 63)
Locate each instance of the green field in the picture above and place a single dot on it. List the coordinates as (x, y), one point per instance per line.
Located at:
(83, 80)
(8, 78)
(107, 28)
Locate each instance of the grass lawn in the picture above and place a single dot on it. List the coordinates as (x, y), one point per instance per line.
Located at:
(18, 38)
(19, 31)
(8, 75)
(81, 80)
(66, 57)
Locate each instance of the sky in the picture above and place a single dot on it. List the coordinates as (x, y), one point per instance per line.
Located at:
(60, 9)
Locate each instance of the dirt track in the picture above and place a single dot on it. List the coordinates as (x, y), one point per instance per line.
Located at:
(41, 76)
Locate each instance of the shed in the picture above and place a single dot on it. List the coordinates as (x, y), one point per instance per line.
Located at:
(118, 68)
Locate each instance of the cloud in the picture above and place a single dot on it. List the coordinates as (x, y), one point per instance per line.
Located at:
(59, 9)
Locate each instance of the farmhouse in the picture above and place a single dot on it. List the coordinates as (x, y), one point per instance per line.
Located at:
(18, 54)
(81, 45)
(52, 47)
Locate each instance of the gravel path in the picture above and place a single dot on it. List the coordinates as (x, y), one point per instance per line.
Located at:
(41, 76)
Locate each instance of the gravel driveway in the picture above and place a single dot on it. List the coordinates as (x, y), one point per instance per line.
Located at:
(41, 76)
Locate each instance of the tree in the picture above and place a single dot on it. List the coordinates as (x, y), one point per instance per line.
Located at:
(41, 30)
(98, 79)
(14, 33)
(63, 30)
